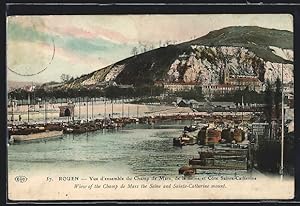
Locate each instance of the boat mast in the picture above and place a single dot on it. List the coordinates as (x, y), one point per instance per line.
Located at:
(282, 126)
(122, 107)
(92, 108)
(105, 108)
(128, 110)
(87, 109)
(242, 111)
(28, 103)
(112, 108)
(79, 107)
(33, 99)
(12, 110)
(45, 111)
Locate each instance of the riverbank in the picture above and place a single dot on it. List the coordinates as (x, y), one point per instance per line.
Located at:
(102, 110)
(96, 110)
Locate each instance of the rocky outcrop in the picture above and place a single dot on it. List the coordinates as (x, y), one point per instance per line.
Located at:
(206, 65)
(236, 51)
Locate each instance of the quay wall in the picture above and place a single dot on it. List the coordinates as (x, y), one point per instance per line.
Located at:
(99, 111)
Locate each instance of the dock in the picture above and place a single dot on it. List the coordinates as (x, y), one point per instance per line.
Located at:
(222, 157)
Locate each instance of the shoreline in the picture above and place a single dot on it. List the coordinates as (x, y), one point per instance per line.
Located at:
(101, 111)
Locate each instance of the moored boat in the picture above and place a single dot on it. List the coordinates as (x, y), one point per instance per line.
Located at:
(225, 158)
(209, 136)
(187, 138)
(35, 136)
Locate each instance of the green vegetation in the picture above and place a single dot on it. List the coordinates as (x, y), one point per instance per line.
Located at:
(256, 39)
(143, 91)
(248, 96)
(277, 97)
(109, 92)
(269, 96)
(195, 93)
(148, 67)
(18, 94)
(273, 100)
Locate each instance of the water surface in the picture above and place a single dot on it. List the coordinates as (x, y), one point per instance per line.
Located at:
(133, 150)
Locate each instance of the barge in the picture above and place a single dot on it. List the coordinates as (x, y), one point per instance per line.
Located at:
(222, 157)
(35, 136)
(225, 158)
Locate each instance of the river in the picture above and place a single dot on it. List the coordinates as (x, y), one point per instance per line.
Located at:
(139, 151)
(136, 149)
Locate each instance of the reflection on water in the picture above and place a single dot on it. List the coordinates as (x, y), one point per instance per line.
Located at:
(133, 150)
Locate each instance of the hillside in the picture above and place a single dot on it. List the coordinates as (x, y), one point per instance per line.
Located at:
(256, 39)
(250, 51)
(12, 85)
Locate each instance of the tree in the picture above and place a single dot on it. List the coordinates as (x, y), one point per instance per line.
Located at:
(277, 97)
(195, 93)
(160, 43)
(167, 42)
(249, 97)
(141, 46)
(65, 77)
(134, 51)
(222, 57)
(151, 47)
(268, 101)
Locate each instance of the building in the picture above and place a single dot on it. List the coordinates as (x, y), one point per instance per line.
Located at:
(215, 106)
(228, 84)
(218, 89)
(241, 82)
(187, 103)
(223, 105)
(66, 111)
(175, 87)
(206, 106)
(250, 82)
(232, 85)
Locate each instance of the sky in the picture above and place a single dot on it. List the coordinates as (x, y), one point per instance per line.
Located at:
(85, 43)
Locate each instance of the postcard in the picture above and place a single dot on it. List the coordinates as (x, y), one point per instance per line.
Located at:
(150, 107)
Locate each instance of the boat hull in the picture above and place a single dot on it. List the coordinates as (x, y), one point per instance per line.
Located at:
(36, 136)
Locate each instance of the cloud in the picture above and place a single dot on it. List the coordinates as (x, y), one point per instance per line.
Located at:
(83, 48)
(31, 57)
(68, 26)
(88, 42)
(132, 28)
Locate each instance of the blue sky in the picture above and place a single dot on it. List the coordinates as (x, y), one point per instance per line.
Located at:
(87, 43)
